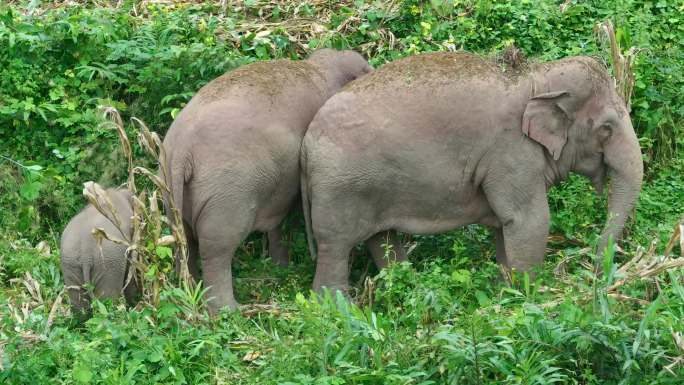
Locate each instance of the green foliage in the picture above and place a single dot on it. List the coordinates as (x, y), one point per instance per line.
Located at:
(448, 318)
(446, 322)
(60, 65)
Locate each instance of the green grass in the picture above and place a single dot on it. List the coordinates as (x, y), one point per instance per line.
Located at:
(446, 318)
(442, 321)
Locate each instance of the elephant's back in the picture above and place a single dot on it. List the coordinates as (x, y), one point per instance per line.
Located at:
(77, 235)
(436, 98)
(428, 70)
(238, 109)
(261, 79)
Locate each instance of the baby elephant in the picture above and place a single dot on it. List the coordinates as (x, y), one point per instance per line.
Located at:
(84, 263)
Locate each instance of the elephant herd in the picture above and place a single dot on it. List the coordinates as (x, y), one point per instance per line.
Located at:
(422, 145)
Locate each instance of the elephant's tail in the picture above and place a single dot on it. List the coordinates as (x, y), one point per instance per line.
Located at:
(306, 205)
(179, 173)
(85, 270)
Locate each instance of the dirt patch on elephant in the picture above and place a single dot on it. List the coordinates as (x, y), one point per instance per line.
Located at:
(511, 60)
(267, 77)
(437, 68)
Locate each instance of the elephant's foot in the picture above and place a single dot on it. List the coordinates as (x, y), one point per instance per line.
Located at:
(279, 256)
(331, 279)
(215, 306)
(332, 268)
(321, 287)
(333, 289)
(277, 249)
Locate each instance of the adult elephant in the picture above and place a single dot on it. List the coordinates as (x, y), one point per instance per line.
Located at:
(436, 141)
(233, 156)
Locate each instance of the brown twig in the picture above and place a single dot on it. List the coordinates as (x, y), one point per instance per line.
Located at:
(250, 310)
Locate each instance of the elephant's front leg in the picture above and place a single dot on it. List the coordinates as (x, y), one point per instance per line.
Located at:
(525, 239)
(383, 256)
(524, 215)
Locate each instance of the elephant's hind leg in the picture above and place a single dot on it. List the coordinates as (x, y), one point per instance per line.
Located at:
(385, 248)
(131, 291)
(332, 266)
(277, 249)
(220, 232)
(78, 295)
(193, 256)
(109, 272)
(340, 220)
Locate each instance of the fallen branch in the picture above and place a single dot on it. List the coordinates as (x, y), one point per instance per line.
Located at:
(646, 265)
(250, 310)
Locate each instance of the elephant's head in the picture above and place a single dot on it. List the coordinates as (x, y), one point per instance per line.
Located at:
(339, 67)
(577, 115)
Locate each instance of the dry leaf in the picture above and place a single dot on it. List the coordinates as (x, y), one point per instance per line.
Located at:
(251, 356)
(166, 240)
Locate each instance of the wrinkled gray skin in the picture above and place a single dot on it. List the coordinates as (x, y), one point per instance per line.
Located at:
(234, 156)
(82, 262)
(437, 141)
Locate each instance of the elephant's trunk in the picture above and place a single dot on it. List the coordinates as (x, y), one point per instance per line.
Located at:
(622, 155)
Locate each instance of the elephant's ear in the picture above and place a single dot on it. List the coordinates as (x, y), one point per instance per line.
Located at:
(546, 120)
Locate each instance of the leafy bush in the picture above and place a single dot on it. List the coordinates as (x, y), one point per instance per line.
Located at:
(446, 318)
(63, 63)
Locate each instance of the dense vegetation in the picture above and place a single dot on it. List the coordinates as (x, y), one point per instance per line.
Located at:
(445, 318)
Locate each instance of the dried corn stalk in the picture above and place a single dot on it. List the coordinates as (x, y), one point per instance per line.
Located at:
(113, 115)
(151, 142)
(148, 221)
(646, 265)
(621, 61)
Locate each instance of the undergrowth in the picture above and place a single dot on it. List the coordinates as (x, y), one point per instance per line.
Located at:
(445, 318)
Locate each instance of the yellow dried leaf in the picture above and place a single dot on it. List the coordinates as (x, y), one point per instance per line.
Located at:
(251, 356)
(166, 240)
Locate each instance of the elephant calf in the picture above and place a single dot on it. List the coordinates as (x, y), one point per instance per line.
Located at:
(233, 156)
(83, 263)
(432, 142)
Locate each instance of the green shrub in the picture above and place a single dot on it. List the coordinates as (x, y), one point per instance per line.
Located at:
(447, 318)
